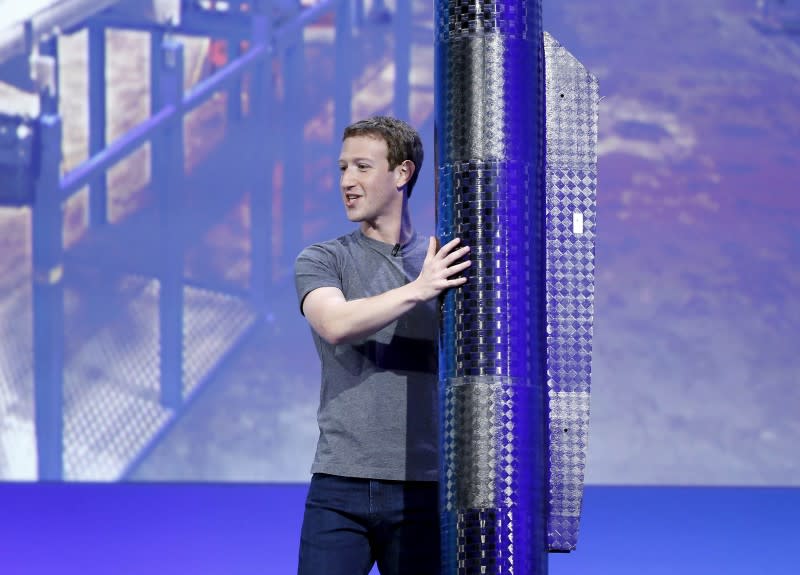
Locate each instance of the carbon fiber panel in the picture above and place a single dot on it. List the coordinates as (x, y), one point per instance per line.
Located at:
(571, 175)
(491, 194)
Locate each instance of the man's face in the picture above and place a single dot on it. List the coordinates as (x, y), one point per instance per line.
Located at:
(369, 188)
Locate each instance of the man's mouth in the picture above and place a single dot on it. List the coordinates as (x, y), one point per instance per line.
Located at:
(349, 199)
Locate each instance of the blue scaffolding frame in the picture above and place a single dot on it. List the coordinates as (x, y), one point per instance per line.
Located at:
(164, 130)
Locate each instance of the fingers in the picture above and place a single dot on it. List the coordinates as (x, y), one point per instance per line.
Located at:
(460, 267)
(440, 266)
(451, 271)
(448, 247)
(431, 248)
(449, 255)
(456, 255)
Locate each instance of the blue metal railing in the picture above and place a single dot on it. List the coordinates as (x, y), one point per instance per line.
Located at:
(164, 130)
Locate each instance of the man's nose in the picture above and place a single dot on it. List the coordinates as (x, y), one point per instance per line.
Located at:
(347, 180)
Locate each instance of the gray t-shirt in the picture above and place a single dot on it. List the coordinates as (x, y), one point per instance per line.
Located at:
(378, 399)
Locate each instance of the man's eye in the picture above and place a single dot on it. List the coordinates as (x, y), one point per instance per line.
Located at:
(342, 168)
(362, 166)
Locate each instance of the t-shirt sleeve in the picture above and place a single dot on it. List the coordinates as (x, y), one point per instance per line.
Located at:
(315, 267)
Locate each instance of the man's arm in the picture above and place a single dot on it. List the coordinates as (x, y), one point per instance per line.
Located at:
(337, 320)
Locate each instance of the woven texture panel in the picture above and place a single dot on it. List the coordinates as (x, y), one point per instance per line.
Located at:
(571, 175)
(492, 495)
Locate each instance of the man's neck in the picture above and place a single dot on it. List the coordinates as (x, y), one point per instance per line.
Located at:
(393, 232)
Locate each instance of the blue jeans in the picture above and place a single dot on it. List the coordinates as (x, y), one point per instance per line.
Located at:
(350, 523)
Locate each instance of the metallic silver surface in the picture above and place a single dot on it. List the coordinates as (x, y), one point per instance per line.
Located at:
(489, 450)
(571, 172)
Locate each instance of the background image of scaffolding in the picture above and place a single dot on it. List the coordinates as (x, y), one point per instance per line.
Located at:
(695, 364)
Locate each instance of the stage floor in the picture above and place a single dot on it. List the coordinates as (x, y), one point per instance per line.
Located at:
(249, 529)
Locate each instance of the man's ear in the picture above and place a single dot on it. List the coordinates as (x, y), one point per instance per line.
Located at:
(403, 172)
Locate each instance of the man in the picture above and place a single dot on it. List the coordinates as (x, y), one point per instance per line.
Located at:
(370, 297)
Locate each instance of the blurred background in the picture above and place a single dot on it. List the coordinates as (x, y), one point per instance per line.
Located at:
(163, 162)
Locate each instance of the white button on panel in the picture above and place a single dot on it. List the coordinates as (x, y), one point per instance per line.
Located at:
(577, 222)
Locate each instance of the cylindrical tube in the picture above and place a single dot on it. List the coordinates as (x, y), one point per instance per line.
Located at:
(491, 194)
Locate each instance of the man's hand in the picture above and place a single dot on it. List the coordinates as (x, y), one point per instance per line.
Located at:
(440, 267)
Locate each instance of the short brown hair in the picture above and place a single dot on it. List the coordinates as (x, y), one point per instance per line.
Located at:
(402, 141)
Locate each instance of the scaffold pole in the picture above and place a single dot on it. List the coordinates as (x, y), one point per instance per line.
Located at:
(167, 169)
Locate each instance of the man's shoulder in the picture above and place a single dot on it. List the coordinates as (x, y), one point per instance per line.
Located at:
(334, 246)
